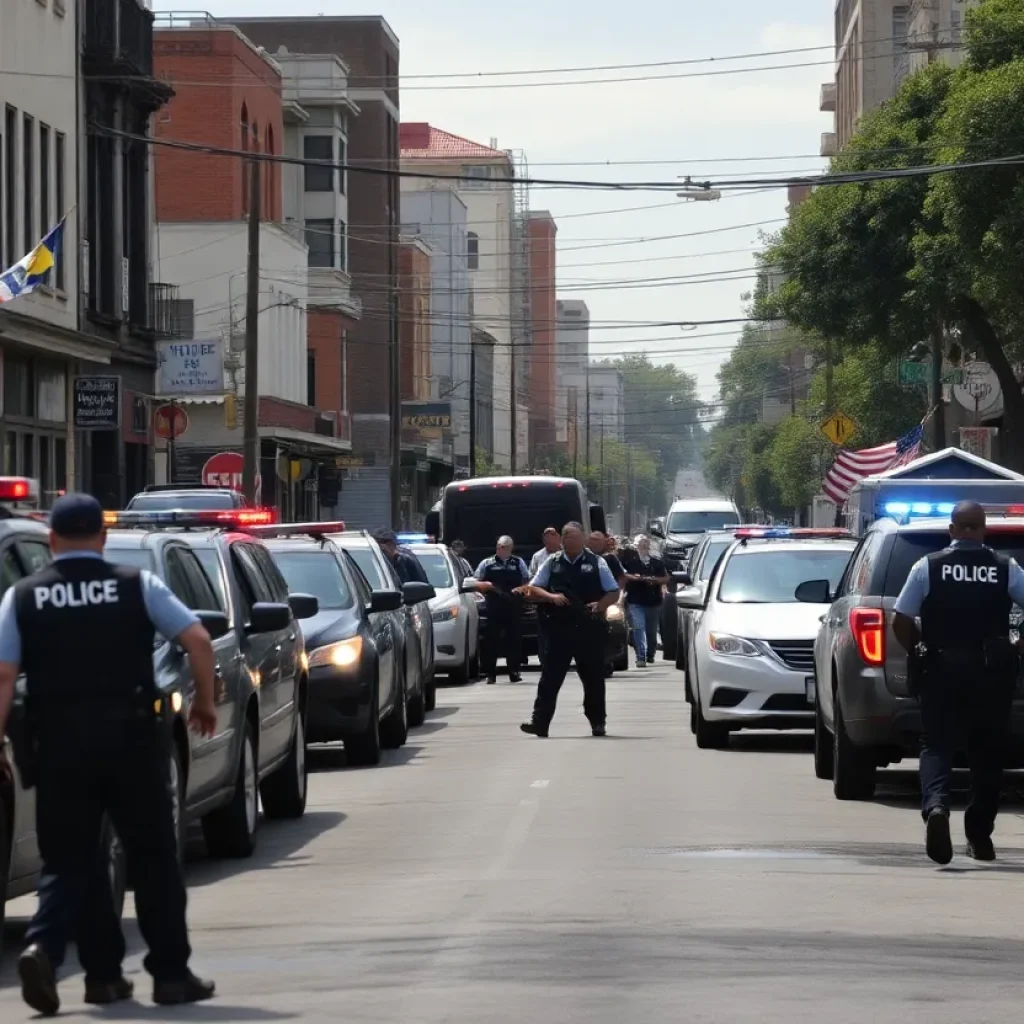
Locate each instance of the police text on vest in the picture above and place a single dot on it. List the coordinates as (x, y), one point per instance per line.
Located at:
(971, 573)
(77, 595)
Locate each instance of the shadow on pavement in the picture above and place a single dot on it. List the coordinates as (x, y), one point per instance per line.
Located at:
(209, 1013)
(428, 727)
(443, 712)
(771, 743)
(331, 757)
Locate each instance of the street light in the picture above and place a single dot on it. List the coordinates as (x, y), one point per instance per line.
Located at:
(698, 193)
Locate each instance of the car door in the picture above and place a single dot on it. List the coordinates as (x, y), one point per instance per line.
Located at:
(468, 603)
(382, 629)
(374, 574)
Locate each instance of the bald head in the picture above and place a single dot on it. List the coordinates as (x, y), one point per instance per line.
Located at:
(597, 542)
(967, 522)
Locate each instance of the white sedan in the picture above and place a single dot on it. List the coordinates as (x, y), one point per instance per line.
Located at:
(455, 615)
(751, 657)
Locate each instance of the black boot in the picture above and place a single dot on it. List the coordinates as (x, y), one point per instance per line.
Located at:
(535, 729)
(189, 989)
(937, 842)
(102, 993)
(38, 981)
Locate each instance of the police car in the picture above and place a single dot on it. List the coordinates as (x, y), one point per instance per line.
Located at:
(24, 549)
(258, 750)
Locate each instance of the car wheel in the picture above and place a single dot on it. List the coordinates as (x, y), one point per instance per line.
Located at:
(230, 831)
(693, 718)
(853, 769)
(710, 735)
(680, 648)
(824, 762)
(284, 793)
(116, 866)
(394, 730)
(364, 749)
(461, 675)
(176, 784)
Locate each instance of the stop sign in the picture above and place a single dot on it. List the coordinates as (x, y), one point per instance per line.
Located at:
(224, 470)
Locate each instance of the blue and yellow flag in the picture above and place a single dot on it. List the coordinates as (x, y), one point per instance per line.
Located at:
(32, 270)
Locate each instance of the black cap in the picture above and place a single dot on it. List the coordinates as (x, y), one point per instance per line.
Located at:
(76, 516)
(385, 537)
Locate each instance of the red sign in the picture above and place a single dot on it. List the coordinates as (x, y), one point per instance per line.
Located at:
(225, 470)
(170, 421)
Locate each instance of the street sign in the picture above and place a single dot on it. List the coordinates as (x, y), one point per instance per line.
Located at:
(225, 470)
(170, 421)
(839, 428)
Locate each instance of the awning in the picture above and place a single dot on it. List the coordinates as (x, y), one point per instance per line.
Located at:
(302, 440)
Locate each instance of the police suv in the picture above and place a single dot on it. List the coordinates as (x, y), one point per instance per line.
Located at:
(258, 749)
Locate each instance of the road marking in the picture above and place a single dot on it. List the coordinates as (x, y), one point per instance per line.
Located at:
(540, 784)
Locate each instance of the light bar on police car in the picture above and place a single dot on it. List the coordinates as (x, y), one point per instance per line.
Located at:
(233, 517)
(788, 532)
(315, 530)
(413, 538)
(18, 488)
(918, 508)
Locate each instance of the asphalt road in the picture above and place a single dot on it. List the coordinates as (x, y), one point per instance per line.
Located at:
(480, 875)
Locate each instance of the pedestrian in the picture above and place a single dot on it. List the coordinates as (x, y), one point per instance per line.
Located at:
(576, 587)
(499, 577)
(459, 551)
(645, 577)
(405, 564)
(83, 630)
(964, 676)
(551, 540)
(604, 546)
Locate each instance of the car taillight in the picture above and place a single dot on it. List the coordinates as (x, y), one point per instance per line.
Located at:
(868, 628)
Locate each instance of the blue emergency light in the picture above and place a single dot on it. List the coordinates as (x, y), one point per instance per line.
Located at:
(792, 532)
(900, 509)
(413, 538)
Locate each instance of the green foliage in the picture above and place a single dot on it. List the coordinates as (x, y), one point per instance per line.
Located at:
(795, 459)
(484, 464)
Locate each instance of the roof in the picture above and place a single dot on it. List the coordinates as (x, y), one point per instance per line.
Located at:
(419, 140)
(945, 464)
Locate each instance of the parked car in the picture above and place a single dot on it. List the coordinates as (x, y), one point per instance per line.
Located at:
(418, 631)
(864, 715)
(454, 613)
(171, 497)
(358, 689)
(751, 654)
(258, 750)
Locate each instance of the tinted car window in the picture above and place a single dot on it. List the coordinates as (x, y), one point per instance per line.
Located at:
(316, 573)
(34, 553)
(363, 557)
(436, 566)
(909, 547)
(712, 554)
(137, 558)
(271, 573)
(700, 522)
(210, 562)
(10, 569)
(771, 577)
(170, 501)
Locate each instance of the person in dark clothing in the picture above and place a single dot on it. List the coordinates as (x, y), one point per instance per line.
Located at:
(575, 587)
(966, 674)
(603, 545)
(407, 565)
(499, 577)
(98, 748)
(644, 578)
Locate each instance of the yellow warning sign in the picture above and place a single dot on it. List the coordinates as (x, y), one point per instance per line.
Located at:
(839, 428)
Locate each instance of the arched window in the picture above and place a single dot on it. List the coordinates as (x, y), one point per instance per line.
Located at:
(245, 169)
(473, 250)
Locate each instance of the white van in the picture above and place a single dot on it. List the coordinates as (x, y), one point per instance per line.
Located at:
(686, 523)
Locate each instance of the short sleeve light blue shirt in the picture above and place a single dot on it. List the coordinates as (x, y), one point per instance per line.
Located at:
(169, 616)
(543, 576)
(918, 584)
(481, 569)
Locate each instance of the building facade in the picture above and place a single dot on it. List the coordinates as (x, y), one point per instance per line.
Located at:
(543, 379)
(572, 348)
(936, 31)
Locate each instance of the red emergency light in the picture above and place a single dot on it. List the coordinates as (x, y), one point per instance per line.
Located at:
(315, 530)
(789, 533)
(229, 518)
(18, 488)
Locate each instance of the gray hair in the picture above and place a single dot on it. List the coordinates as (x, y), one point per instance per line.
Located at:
(573, 525)
(641, 537)
(505, 541)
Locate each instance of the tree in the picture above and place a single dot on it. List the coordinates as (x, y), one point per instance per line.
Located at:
(795, 459)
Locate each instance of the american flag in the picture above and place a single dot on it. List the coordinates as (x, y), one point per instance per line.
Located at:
(850, 467)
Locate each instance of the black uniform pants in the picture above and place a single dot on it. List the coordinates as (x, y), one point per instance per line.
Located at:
(584, 640)
(503, 635)
(971, 716)
(95, 762)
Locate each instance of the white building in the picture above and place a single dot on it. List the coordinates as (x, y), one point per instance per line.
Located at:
(572, 345)
(598, 394)
(491, 252)
(936, 31)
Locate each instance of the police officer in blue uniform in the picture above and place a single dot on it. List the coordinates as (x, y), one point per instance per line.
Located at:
(82, 630)
(574, 587)
(967, 668)
(499, 578)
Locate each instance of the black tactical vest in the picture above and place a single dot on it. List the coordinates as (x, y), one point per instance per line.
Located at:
(580, 581)
(85, 633)
(505, 576)
(968, 599)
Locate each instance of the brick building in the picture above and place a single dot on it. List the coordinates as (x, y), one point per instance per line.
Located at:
(541, 231)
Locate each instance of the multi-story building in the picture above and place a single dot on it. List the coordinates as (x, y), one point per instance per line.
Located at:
(497, 258)
(595, 409)
(482, 393)
(936, 31)
(541, 231)
(230, 95)
(572, 349)
(369, 49)
(439, 217)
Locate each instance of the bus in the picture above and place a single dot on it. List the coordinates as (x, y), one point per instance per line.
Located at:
(480, 510)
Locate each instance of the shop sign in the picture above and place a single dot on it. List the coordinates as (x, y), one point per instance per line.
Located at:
(190, 367)
(97, 403)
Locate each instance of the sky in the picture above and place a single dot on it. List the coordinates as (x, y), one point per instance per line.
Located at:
(708, 126)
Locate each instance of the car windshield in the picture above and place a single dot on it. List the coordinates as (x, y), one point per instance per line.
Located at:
(763, 576)
(909, 547)
(700, 522)
(137, 558)
(712, 556)
(363, 557)
(436, 567)
(316, 573)
(166, 501)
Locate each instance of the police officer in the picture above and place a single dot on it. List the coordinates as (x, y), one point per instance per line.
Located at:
(82, 630)
(964, 595)
(575, 587)
(499, 577)
(552, 541)
(407, 565)
(459, 551)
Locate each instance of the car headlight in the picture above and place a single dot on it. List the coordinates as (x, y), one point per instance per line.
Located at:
(343, 654)
(613, 612)
(725, 643)
(445, 614)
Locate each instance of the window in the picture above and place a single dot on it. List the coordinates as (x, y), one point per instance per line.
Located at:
(10, 568)
(210, 562)
(17, 386)
(51, 393)
(58, 194)
(473, 250)
(10, 187)
(276, 582)
(342, 159)
(480, 175)
(28, 190)
(35, 554)
(320, 239)
(316, 573)
(45, 215)
(311, 378)
(318, 147)
(342, 245)
(763, 576)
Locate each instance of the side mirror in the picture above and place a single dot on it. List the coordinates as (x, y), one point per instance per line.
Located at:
(682, 578)
(267, 617)
(432, 524)
(468, 585)
(215, 623)
(814, 592)
(304, 606)
(415, 592)
(690, 597)
(385, 601)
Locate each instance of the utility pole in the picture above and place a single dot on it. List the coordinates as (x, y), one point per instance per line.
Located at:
(251, 439)
(514, 403)
(395, 373)
(938, 409)
(627, 515)
(472, 407)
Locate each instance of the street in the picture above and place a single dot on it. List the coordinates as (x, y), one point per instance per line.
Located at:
(482, 875)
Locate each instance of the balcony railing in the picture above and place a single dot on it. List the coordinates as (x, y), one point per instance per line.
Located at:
(119, 35)
(166, 315)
